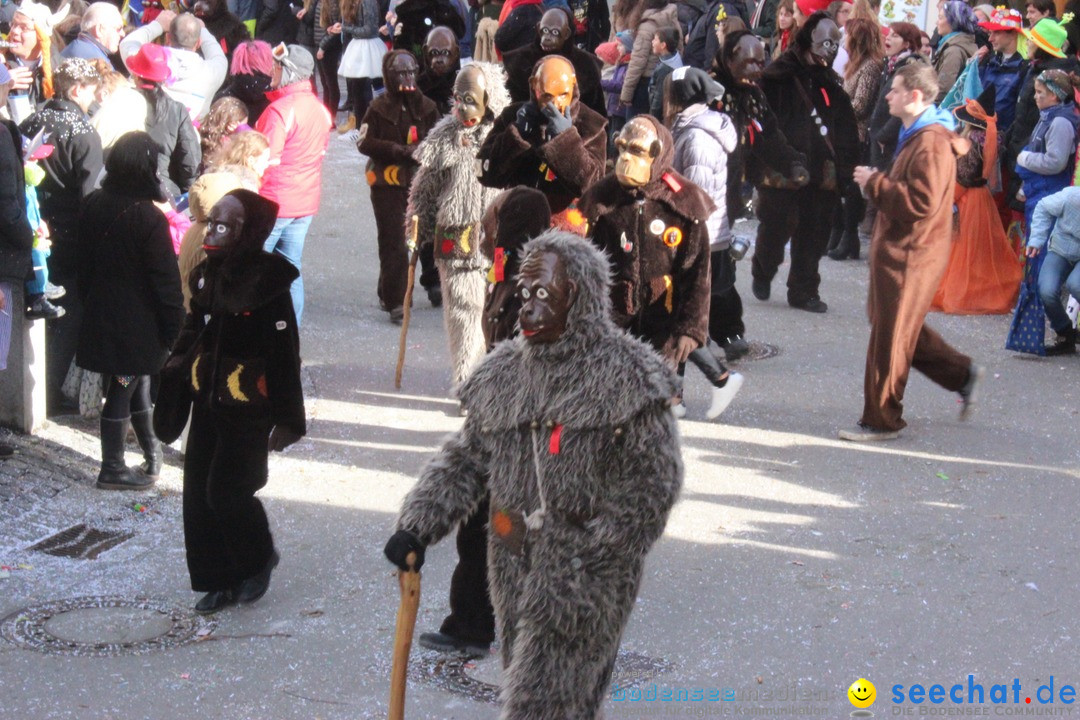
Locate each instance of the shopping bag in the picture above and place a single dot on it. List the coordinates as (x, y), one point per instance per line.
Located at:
(968, 86)
(1027, 334)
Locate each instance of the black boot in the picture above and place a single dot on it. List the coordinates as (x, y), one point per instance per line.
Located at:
(142, 421)
(1065, 345)
(847, 248)
(834, 239)
(115, 474)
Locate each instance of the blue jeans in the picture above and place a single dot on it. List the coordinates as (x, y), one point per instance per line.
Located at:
(1058, 271)
(287, 240)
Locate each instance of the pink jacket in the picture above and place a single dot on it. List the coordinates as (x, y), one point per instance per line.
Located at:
(298, 127)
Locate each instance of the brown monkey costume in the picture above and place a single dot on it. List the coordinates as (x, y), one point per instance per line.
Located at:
(390, 133)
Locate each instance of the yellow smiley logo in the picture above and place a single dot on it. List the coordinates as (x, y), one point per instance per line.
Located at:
(862, 693)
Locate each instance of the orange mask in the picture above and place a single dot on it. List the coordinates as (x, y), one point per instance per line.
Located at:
(554, 82)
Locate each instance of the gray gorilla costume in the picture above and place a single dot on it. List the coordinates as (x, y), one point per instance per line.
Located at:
(578, 436)
(450, 201)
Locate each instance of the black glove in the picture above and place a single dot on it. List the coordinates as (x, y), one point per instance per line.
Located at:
(799, 174)
(529, 120)
(400, 545)
(557, 122)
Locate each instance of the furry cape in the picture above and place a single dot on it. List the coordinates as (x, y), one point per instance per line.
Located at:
(445, 192)
(601, 456)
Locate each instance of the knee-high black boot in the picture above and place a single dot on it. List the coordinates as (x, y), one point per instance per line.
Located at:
(142, 421)
(115, 474)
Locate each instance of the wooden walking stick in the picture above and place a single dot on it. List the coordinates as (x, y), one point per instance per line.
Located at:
(406, 623)
(414, 255)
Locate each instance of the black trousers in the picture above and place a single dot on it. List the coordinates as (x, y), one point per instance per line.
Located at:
(226, 531)
(360, 93)
(121, 400)
(471, 618)
(725, 304)
(62, 334)
(804, 217)
(328, 67)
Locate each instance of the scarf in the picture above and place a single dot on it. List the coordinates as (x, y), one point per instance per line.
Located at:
(932, 115)
(890, 64)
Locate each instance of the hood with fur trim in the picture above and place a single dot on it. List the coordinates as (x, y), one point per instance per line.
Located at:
(243, 277)
(519, 381)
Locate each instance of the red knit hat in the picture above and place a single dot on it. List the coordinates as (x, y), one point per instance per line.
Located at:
(809, 7)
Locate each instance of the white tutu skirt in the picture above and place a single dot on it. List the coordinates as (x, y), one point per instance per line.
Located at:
(362, 58)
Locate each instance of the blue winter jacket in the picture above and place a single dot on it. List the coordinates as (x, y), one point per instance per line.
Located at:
(1006, 76)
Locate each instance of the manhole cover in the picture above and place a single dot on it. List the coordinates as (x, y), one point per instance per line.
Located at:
(760, 351)
(103, 626)
(81, 542)
(479, 679)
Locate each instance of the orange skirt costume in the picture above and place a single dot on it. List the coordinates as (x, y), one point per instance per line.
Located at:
(984, 273)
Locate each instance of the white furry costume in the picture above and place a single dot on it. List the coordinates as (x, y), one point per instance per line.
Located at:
(450, 201)
(578, 436)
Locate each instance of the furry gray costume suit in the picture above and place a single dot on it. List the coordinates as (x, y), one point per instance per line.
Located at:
(450, 202)
(595, 466)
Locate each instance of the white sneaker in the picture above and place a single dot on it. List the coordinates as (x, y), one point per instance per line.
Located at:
(678, 410)
(722, 396)
(352, 136)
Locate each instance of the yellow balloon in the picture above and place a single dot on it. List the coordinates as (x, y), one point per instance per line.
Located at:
(862, 693)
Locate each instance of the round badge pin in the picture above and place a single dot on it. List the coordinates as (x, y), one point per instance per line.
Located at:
(656, 226)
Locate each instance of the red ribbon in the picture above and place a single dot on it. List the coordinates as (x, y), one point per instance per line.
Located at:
(674, 184)
(500, 265)
(826, 96)
(556, 439)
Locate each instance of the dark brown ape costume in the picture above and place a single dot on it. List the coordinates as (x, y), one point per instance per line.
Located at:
(520, 62)
(559, 165)
(658, 244)
(244, 374)
(391, 130)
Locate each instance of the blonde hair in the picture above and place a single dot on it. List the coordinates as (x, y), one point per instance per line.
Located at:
(239, 149)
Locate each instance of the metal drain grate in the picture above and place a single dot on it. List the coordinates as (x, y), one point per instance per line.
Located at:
(81, 542)
(761, 351)
(456, 674)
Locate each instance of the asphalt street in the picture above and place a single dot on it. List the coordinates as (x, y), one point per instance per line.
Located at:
(793, 564)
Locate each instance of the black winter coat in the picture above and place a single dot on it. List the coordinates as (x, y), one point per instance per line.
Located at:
(794, 90)
(277, 22)
(16, 235)
(519, 66)
(519, 28)
(561, 168)
(169, 124)
(762, 146)
(129, 285)
(884, 129)
(71, 170)
(702, 45)
(247, 355)
(417, 17)
(250, 90)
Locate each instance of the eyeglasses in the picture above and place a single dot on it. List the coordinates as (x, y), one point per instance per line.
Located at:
(440, 53)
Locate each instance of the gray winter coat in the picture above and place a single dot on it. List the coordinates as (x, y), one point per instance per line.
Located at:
(950, 59)
(703, 140)
(446, 192)
(578, 436)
